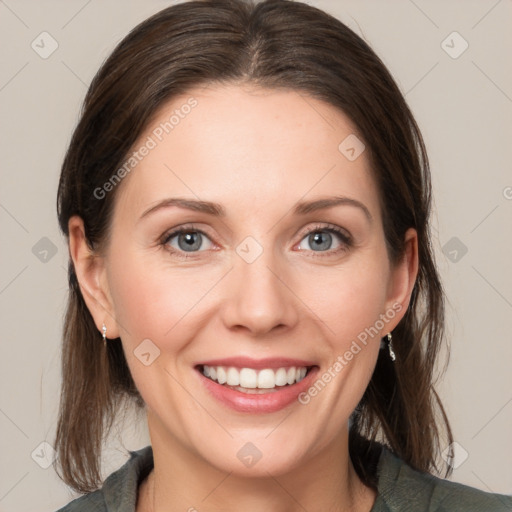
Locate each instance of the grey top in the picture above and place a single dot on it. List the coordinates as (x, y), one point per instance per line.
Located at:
(400, 489)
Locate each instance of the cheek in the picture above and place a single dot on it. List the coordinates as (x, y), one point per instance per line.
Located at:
(153, 300)
(348, 299)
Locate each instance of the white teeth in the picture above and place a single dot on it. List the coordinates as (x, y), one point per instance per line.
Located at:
(266, 379)
(281, 377)
(233, 377)
(248, 378)
(221, 375)
(251, 379)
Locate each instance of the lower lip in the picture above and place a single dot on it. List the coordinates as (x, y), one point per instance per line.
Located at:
(258, 403)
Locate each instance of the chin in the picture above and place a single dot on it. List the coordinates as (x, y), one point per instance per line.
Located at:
(257, 458)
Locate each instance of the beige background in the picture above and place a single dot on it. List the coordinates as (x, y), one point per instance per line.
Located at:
(464, 108)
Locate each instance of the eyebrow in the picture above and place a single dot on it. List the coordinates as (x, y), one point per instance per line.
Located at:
(217, 210)
(208, 207)
(306, 207)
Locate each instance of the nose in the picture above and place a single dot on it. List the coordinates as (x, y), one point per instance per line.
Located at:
(258, 297)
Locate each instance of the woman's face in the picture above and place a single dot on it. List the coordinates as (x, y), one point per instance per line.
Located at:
(266, 280)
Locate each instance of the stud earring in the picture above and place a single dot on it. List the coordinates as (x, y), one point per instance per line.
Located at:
(390, 346)
(104, 334)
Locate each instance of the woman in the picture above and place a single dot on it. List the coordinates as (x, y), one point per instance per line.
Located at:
(246, 198)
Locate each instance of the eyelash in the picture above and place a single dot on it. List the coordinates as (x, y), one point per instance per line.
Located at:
(345, 239)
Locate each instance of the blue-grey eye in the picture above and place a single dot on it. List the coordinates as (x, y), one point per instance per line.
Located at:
(322, 240)
(187, 240)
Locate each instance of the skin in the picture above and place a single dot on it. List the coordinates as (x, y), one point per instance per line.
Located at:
(257, 152)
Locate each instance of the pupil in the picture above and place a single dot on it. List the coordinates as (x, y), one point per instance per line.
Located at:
(191, 244)
(319, 238)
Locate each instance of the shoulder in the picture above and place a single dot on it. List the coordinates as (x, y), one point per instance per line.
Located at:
(119, 491)
(402, 488)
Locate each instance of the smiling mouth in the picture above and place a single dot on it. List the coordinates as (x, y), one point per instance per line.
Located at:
(252, 381)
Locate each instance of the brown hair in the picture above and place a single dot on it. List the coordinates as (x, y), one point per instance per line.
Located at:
(273, 44)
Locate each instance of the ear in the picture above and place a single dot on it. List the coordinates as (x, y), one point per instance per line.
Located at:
(403, 278)
(91, 273)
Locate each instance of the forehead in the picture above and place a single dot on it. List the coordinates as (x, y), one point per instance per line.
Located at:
(245, 147)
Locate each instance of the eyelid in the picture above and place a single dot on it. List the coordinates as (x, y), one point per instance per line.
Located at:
(326, 226)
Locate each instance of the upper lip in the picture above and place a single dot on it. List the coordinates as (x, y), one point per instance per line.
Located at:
(247, 362)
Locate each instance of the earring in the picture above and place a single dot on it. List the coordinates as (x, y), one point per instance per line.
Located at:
(104, 334)
(390, 347)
